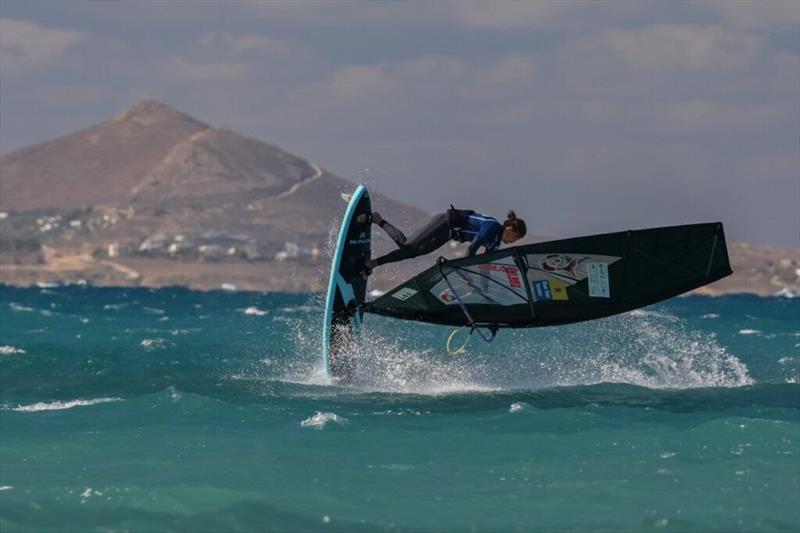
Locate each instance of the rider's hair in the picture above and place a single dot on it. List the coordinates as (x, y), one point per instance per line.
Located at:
(516, 224)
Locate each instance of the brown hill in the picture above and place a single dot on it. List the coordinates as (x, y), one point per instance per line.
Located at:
(158, 189)
(95, 166)
(162, 172)
(213, 165)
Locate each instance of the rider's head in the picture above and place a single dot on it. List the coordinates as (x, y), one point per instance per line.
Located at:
(513, 228)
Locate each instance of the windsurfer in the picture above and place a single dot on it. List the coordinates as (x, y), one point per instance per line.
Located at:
(460, 225)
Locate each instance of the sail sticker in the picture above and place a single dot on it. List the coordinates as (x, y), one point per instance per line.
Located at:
(563, 264)
(512, 273)
(559, 290)
(404, 294)
(447, 296)
(598, 280)
(484, 286)
(549, 289)
(541, 290)
(567, 268)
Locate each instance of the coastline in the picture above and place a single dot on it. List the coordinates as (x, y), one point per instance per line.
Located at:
(758, 270)
(279, 277)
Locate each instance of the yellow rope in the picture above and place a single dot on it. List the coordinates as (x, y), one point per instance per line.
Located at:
(461, 349)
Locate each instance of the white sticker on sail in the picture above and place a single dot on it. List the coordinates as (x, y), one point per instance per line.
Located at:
(404, 294)
(598, 280)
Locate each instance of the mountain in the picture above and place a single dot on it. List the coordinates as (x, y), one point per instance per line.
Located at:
(153, 186)
(95, 166)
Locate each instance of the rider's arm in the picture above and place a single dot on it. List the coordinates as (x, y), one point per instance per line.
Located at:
(486, 234)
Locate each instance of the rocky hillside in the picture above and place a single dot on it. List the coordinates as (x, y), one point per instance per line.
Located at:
(158, 188)
(99, 165)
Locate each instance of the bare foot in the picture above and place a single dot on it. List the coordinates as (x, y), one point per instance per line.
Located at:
(363, 218)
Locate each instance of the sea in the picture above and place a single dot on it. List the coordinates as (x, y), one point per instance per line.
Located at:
(143, 410)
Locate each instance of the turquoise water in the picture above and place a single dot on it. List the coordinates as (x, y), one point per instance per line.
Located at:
(153, 410)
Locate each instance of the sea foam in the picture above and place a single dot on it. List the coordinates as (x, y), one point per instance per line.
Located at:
(319, 420)
(11, 350)
(58, 406)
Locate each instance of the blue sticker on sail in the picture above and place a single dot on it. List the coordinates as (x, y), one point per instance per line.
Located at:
(541, 290)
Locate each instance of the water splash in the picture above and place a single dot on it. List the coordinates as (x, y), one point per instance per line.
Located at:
(319, 420)
(645, 349)
(389, 365)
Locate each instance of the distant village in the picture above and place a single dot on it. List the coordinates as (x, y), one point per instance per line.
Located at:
(24, 233)
(32, 237)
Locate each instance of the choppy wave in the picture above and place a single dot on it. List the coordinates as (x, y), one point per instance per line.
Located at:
(516, 407)
(154, 344)
(253, 310)
(661, 347)
(661, 407)
(11, 350)
(299, 309)
(319, 420)
(788, 293)
(58, 405)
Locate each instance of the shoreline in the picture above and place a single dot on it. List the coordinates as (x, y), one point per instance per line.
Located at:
(246, 287)
(758, 270)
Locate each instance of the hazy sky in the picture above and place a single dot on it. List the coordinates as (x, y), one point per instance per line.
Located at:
(583, 117)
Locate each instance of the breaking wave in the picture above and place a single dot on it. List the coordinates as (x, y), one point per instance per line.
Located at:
(59, 406)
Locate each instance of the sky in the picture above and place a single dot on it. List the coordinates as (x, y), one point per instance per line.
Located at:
(583, 117)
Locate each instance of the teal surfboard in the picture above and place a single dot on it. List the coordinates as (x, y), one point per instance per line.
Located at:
(347, 287)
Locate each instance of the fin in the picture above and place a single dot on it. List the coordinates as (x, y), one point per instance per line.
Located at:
(346, 197)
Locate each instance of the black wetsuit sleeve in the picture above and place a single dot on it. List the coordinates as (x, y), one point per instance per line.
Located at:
(474, 245)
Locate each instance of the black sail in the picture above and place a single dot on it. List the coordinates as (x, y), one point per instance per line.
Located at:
(563, 281)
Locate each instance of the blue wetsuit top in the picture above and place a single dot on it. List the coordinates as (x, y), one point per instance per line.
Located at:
(481, 230)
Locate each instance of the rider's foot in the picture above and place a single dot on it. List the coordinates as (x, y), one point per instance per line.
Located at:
(366, 271)
(364, 218)
(376, 218)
